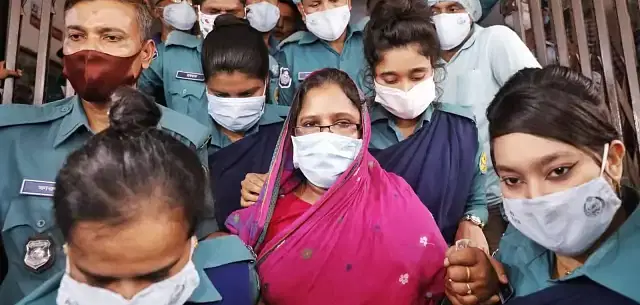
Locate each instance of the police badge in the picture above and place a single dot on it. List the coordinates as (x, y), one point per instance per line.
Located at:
(285, 78)
(39, 253)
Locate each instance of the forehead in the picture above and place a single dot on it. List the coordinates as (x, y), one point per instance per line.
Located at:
(326, 100)
(103, 14)
(285, 9)
(222, 4)
(403, 58)
(447, 4)
(99, 247)
(233, 82)
(520, 149)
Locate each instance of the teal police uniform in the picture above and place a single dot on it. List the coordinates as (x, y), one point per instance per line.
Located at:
(274, 73)
(614, 264)
(273, 114)
(210, 254)
(35, 142)
(385, 133)
(177, 70)
(302, 53)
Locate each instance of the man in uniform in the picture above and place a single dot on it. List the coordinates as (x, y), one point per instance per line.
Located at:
(478, 61)
(330, 42)
(107, 44)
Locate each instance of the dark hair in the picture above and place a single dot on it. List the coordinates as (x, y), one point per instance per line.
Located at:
(111, 178)
(397, 24)
(554, 103)
(145, 18)
(234, 45)
(323, 77)
(299, 24)
(370, 5)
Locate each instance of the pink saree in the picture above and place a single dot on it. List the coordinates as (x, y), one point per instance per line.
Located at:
(368, 240)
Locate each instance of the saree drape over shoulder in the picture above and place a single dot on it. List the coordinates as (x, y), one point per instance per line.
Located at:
(368, 240)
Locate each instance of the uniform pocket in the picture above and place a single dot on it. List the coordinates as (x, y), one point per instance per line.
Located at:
(27, 216)
(186, 96)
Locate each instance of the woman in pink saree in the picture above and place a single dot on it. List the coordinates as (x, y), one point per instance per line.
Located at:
(331, 227)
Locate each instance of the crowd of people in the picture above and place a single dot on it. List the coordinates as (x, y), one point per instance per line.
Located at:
(275, 153)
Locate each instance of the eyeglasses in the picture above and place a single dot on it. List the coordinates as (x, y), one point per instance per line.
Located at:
(341, 128)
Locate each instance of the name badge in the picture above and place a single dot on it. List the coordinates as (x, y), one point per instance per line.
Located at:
(37, 188)
(198, 77)
(303, 75)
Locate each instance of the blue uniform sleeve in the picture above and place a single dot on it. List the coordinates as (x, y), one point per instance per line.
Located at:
(151, 80)
(285, 85)
(509, 54)
(477, 200)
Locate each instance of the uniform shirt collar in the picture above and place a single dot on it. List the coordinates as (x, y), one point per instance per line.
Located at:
(378, 112)
(477, 29)
(183, 39)
(76, 119)
(309, 38)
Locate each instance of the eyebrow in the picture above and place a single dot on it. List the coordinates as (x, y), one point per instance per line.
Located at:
(544, 161)
(154, 273)
(100, 30)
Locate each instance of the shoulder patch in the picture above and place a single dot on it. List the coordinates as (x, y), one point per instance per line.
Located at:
(185, 126)
(14, 114)
(155, 54)
(295, 37)
(463, 111)
(483, 163)
(285, 79)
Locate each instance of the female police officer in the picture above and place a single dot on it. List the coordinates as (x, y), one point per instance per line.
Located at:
(129, 179)
(107, 43)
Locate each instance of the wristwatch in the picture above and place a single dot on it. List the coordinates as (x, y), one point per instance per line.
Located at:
(474, 220)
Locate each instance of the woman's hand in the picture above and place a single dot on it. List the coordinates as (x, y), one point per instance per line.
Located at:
(251, 187)
(473, 277)
(471, 231)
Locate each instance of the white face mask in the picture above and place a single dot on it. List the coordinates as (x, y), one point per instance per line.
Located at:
(570, 221)
(324, 156)
(181, 16)
(263, 16)
(509, 20)
(175, 290)
(206, 23)
(236, 114)
(452, 29)
(407, 104)
(330, 24)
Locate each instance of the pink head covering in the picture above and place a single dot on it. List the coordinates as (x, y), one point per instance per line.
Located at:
(368, 240)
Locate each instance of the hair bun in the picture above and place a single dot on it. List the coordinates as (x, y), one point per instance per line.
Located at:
(229, 20)
(132, 111)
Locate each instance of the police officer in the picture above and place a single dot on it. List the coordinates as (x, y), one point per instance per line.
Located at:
(175, 75)
(329, 43)
(107, 43)
(263, 15)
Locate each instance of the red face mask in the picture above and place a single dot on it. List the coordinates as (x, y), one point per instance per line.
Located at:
(95, 75)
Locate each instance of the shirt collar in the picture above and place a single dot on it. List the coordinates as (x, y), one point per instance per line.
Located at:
(477, 29)
(309, 38)
(180, 38)
(72, 122)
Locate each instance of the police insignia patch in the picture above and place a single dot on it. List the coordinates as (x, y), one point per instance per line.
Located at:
(276, 94)
(483, 163)
(285, 78)
(39, 253)
(155, 54)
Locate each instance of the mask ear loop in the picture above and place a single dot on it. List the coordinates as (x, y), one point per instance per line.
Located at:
(604, 158)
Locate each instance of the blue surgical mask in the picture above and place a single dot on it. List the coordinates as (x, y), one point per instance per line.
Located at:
(181, 16)
(236, 114)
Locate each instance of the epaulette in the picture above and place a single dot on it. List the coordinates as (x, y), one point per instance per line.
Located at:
(18, 114)
(185, 126)
(463, 111)
(295, 37)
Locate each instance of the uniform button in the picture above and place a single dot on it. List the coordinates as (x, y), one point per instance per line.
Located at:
(184, 91)
(64, 109)
(41, 223)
